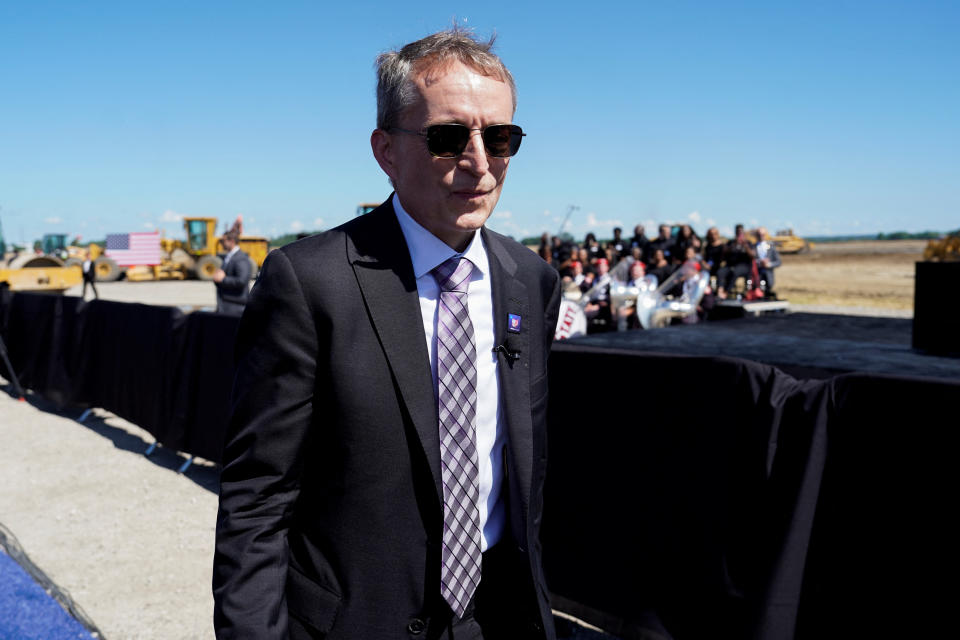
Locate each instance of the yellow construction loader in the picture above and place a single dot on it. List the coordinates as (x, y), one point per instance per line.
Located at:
(944, 249)
(788, 242)
(198, 255)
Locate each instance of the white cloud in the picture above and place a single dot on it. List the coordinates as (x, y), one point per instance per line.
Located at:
(503, 215)
(171, 216)
(318, 223)
(594, 224)
(710, 222)
(149, 225)
(53, 220)
(546, 213)
(296, 225)
(694, 216)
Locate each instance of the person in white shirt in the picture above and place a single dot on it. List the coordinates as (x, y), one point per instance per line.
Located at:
(768, 259)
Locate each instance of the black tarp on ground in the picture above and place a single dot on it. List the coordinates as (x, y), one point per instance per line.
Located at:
(42, 338)
(669, 494)
(129, 364)
(883, 558)
(202, 399)
(703, 497)
(719, 498)
(6, 296)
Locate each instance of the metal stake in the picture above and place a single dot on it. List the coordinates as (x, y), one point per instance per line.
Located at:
(185, 465)
(13, 375)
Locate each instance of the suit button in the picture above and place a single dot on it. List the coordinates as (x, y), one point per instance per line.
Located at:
(416, 626)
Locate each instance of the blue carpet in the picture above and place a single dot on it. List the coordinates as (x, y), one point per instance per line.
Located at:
(28, 613)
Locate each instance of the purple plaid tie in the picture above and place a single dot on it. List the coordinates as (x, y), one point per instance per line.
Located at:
(457, 393)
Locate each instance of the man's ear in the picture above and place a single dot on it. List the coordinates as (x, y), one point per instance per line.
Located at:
(383, 150)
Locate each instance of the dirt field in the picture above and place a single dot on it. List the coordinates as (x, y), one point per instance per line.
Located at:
(852, 274)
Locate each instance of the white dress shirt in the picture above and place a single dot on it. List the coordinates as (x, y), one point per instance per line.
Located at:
(226, 258)
(427, 252)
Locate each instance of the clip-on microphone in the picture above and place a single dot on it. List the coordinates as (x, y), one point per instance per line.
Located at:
(511, 355)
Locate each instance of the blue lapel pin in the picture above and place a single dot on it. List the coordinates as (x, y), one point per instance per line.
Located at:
(513, 323)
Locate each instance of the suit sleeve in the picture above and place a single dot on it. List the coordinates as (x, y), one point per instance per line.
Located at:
(271, 413)
(239, 276)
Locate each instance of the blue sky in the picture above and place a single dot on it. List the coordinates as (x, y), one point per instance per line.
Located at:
(830, 117)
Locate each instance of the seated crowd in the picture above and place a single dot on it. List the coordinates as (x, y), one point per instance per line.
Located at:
(591, 267)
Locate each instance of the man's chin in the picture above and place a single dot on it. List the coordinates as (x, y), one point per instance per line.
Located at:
(472, 220)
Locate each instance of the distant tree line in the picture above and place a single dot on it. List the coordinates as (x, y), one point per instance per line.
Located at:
(903, 235)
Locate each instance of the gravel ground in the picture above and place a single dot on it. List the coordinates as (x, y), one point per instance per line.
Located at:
(129, 538)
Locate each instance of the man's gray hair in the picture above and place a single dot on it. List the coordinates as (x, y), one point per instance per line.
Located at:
(395, 69)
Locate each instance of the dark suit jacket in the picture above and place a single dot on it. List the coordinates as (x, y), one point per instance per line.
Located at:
(233, 290)
(331, 510)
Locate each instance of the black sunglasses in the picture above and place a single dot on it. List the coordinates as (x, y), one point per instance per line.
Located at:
(449, 140)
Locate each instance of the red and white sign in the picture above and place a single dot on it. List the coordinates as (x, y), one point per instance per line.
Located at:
(571, 322)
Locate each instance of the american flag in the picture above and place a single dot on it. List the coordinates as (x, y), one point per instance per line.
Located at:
(131, 249)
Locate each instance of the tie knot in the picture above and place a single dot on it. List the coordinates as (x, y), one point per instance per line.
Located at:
(453, 274)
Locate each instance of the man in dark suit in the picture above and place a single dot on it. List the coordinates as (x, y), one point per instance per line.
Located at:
(89, 269)
(384, 463)
(232, 279)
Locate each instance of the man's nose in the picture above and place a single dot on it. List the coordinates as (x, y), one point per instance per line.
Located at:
(474, 156)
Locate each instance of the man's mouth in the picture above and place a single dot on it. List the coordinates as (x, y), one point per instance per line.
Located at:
(470, 194)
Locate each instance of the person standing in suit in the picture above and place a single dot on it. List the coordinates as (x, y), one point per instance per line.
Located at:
(89, 276)
(384, 462)
(232, 279)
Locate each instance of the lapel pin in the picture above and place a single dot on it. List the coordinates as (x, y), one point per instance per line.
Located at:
(513, 323)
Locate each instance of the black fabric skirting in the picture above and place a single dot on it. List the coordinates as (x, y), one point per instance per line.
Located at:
(686, 497)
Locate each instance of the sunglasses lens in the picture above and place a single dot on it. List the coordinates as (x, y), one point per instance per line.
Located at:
(502, 140)
(447, 140)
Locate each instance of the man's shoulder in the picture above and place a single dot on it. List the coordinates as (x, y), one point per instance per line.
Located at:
(335, 246)
(523, 254)
(528, 262)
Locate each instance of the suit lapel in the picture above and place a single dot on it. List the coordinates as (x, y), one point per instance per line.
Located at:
(385, 275)
(510, 297)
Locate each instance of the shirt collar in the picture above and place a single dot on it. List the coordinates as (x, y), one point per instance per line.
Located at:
(233, 251)
(427, 251)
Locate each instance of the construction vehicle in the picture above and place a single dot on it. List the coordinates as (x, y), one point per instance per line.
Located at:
(32, 272)
(198, 255)
(366, 207)
(787, 242)
(55, 245)
(946, 249)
